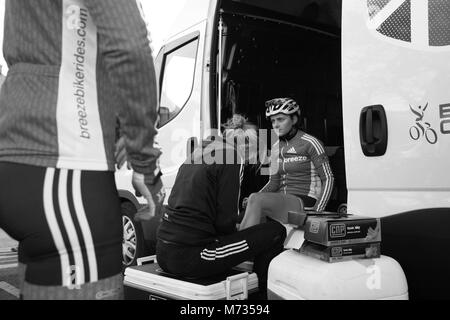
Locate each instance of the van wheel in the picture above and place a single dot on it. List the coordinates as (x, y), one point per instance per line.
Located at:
(133, 245)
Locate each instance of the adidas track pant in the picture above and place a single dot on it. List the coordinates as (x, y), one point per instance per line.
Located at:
(260, 243)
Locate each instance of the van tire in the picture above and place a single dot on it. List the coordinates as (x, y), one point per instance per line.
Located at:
(133, 244)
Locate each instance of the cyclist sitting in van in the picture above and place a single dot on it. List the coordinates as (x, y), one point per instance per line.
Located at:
(300, 173)
(198, 235)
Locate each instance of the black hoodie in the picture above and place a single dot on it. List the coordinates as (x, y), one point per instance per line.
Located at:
(204, 202)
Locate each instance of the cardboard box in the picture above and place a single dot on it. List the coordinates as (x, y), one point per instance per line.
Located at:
(343, 252)
(332, 230)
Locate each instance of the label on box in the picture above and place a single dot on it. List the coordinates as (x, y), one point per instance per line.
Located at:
(314, 227)
(341, 252)
(328, 231)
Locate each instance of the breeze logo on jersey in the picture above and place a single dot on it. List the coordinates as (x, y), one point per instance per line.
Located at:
(293, 159)
(80, 132)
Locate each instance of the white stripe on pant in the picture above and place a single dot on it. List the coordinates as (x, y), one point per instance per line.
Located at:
(69, 226)
(225, 251)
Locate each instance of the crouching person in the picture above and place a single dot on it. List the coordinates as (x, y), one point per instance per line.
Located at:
(198, 235)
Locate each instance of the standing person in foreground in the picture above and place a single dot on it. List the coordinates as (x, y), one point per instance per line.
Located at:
(198, 236)
(74, 67)
(300, 174)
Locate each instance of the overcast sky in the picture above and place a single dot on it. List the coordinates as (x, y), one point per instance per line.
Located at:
(160, 15)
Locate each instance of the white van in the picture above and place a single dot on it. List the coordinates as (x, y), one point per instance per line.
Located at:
(372, 78)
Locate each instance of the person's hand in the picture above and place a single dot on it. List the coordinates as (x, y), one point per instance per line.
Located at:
(372, 234)
(154, 194)
(120, 153)
(244, 203)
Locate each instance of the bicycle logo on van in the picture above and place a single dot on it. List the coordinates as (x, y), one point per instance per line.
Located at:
(422, 128)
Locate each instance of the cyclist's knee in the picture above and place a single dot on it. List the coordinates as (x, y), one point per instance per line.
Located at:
(255, 199)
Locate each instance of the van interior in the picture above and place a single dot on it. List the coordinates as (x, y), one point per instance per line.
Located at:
(294, 52)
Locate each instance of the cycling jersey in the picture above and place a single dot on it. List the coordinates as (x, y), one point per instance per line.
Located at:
(299, 166)
(74, 65)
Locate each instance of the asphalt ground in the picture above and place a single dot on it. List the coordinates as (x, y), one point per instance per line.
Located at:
(9, 283)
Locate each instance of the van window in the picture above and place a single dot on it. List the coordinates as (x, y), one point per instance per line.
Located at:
(178, 79)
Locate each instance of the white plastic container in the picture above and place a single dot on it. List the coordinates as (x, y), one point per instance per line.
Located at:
(294, 276)
(149, 281)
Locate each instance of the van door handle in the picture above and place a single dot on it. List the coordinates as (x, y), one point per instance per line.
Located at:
(369, 127)
(373, 131)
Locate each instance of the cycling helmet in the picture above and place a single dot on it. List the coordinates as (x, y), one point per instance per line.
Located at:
(286, 106)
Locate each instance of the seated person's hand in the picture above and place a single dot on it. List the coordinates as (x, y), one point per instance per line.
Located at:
(244, 203)
(153, 193)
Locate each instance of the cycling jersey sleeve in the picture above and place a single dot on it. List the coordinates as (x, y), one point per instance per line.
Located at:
(126, 55)
(322, 165)
(274, 180)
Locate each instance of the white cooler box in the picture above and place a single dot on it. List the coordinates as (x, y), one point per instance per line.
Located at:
(295, 276)
(150, 282)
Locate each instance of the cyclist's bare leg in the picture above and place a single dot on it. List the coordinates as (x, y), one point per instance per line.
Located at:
(273, 205)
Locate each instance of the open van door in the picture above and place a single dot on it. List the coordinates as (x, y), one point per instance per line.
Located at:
(396, 110)
(181, 67)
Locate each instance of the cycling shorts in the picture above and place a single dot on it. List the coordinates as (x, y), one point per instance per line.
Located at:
(68, 223)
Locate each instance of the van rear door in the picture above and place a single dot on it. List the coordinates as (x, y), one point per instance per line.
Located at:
(396, 105)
